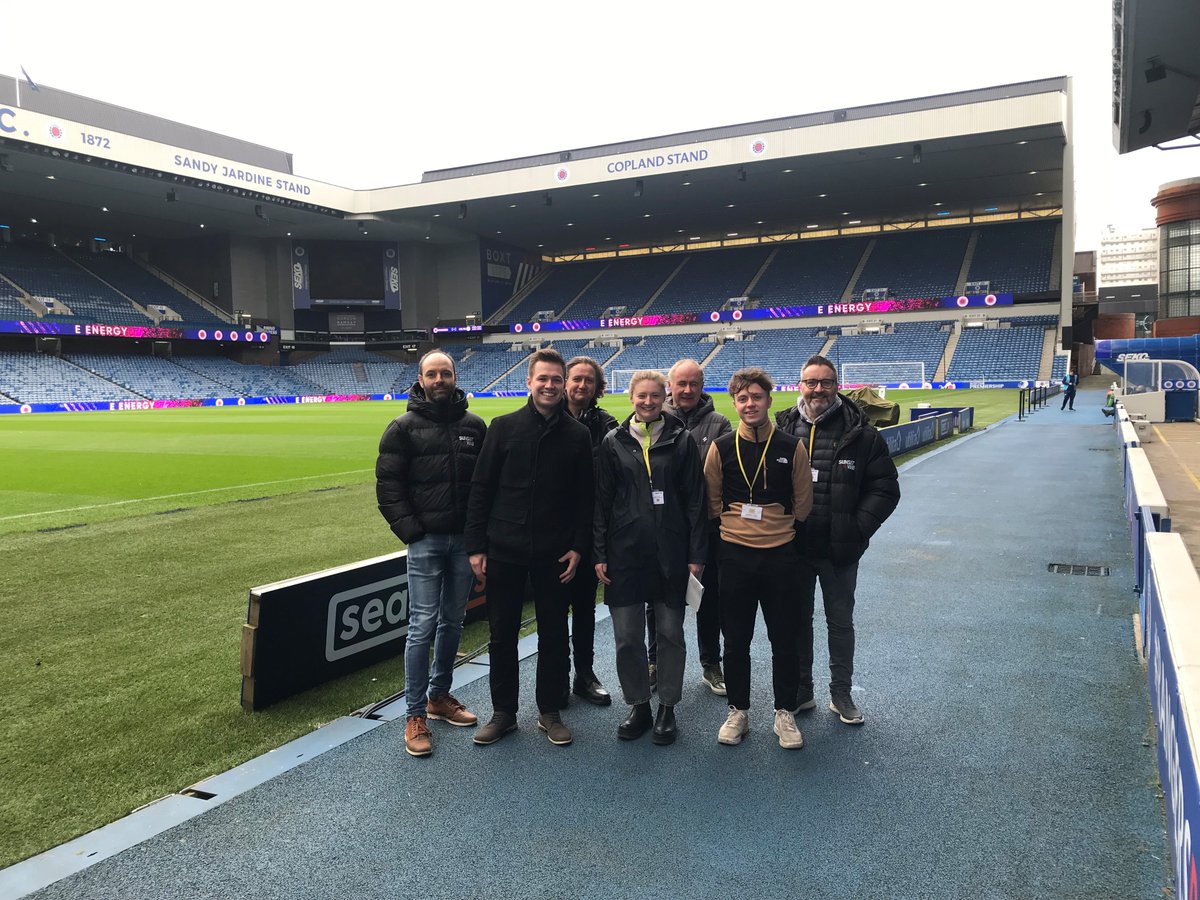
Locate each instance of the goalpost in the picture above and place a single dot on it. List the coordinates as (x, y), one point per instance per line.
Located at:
(618, 380)
(876, 373)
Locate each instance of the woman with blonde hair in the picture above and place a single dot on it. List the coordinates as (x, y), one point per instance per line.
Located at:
(649, 534)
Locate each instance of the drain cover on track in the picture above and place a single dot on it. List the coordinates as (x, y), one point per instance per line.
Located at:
(1069, 569)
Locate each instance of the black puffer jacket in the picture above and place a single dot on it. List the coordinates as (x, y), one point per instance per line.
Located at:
(704, 423)
(632, 534)
(856, 489)
(426, 460)
(599, 422)
(531, 496)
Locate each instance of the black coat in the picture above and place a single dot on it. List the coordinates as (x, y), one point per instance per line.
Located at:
(599, 422)
(633, 535)
(531, 497)
(426, 460)
(856, 489)
(704, 422)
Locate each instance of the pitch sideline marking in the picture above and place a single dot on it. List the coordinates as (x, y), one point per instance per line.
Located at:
(1180, 462)
(232, 487)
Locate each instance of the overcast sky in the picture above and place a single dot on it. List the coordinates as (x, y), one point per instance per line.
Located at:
(371, 94)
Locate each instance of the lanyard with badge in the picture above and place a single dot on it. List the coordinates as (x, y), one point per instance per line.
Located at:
(750, 510)
(656, 497)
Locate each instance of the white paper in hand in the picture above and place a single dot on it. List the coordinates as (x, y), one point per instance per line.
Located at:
(695, 591)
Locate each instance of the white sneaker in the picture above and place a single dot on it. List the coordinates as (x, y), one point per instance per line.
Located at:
(790, 737)
(736, 725)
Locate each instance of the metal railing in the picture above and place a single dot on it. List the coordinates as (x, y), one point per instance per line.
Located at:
(1033, 399)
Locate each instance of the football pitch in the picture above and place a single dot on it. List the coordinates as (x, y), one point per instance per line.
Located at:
(130, 541)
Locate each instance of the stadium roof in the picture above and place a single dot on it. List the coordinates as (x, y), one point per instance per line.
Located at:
(1156, 72)
(991, 151)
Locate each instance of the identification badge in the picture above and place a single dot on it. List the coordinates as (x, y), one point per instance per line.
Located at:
(814, 471)
(657, 498)
(750, 511)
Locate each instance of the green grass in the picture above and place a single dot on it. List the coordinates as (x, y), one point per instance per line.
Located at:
(119, 660)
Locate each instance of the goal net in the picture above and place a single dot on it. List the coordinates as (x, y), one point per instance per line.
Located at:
(618, 379)
(875, 373)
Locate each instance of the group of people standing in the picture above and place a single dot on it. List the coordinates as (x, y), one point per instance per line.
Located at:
(558, 497)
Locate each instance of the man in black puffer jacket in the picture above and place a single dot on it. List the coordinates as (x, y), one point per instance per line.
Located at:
(855, 489)
(423, 479)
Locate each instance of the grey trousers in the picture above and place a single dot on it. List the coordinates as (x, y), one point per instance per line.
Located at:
(629, 629)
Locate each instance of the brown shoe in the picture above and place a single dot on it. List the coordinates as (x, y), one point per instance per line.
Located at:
(502, 723)
(448, 709)
(417, 739)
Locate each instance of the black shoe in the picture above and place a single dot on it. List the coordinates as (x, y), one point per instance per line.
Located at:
(664, 725)
(805, 702)
(637, 724)
(588, 686)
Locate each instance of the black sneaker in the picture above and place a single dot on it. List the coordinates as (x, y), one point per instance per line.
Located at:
(558, 733)
(841, 704)
(804, 701)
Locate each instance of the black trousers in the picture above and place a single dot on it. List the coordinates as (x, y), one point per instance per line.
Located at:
(581, 598)
(751, 578)
(505, 595)
(708, 619)
(837, 591)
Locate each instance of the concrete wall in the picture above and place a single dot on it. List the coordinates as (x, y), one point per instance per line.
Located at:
(259, 282)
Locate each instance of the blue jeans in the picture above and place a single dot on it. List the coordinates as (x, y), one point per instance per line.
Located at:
(439, 585)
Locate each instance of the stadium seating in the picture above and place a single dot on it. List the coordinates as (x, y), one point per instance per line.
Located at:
(916, 264)
(150, 376)
(923, 342)
(44, 272)
(1014, 257)
(809, 272)
(515, 380)
(997, 354)
(250, 380)
(1059, 368)
(708, 279)
(12, 309)
(39, 378)
(352, 370)
(139, 285)
(658, 352)
(782, 352)
(629, 283)
(479, 366)
(561, 286)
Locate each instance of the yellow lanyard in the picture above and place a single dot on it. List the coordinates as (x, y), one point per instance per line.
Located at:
(812, 433)
(737, 446)
(649, 429)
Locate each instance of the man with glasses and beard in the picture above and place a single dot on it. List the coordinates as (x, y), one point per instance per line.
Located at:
(855, 489)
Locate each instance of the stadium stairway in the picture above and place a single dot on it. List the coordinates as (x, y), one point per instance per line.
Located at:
(1005, 751)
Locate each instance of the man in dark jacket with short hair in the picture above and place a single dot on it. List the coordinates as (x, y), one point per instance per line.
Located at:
(524, 525)
(585, 386)
(689, 402)
(855, 489)
(423, 479)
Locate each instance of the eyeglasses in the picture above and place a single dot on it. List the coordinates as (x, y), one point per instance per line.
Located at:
(813, 383)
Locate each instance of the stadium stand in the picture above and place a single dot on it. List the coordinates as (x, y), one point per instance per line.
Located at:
(483, 364)
(356, 371)
(659, 352)
(250, 380)
(1014, 257)
(12, 309)
(994, 354)
(560, 287)
(630, 283)
(708, 279)
(142, 287)
(1059, 368)
(44, 272)
(923, 342)
(515, 380)
(149, 376)
(809, 272)
(917, 264)
(782, 352)
(40, 378)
